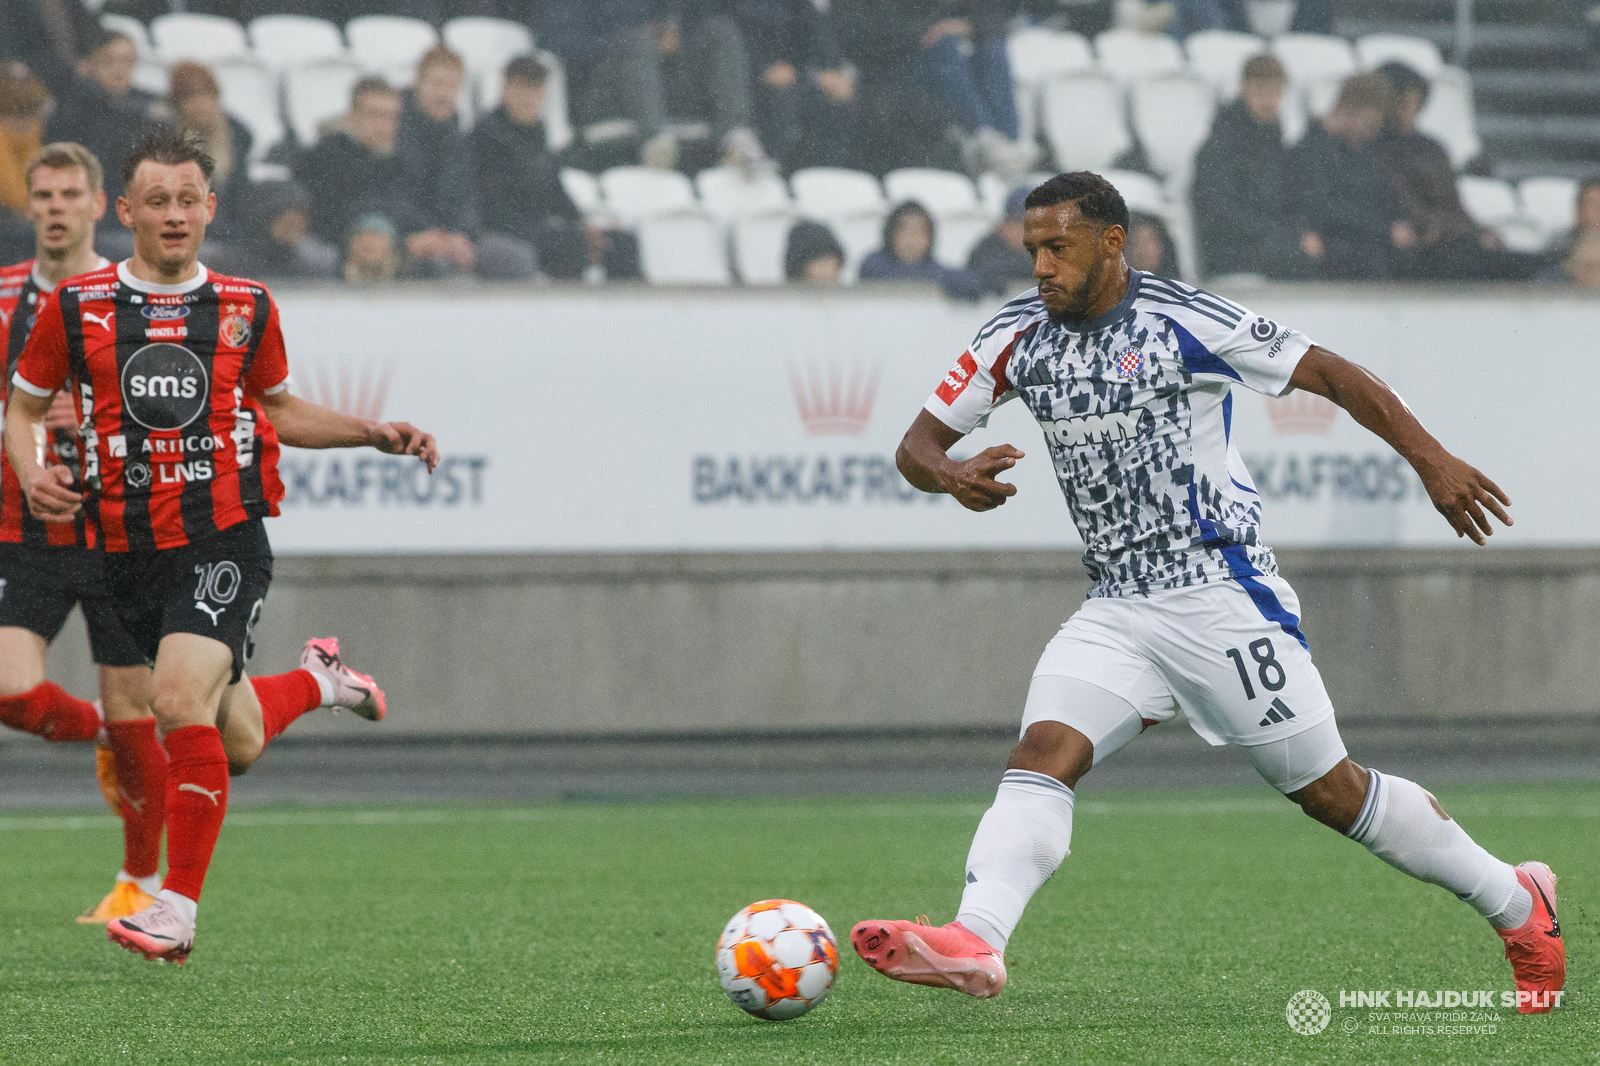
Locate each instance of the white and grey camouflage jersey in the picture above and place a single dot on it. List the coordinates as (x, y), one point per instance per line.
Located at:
(1137, 410)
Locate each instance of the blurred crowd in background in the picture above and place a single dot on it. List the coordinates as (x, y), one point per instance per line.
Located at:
(402, 184)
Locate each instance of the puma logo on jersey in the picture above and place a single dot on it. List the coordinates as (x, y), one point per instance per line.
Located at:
(1094, 429)
(214, 614)
(206, 792)
(137, 805)
(104, 320)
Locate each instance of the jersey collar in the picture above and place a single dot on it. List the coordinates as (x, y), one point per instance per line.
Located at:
(45, 286)
(125, 276)
(1089, 325)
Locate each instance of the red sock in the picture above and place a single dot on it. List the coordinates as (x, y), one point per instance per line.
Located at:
(142, 784)
(285, 697)
(197, 799)
(47, 710)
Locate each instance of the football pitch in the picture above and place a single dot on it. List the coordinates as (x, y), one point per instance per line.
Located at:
(1176, 932)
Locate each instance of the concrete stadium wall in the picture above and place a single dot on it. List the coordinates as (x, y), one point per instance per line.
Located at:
(698, 643)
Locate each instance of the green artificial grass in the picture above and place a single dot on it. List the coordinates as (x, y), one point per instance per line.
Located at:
(1175, 933)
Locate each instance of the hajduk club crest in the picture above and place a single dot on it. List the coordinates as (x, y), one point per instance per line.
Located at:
(1130, 361)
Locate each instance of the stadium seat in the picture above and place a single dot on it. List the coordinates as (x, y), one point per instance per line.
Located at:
(315, 92)
(1490, 201)
(759, 243)
(152, 76)
(830, 192)
(134, 29)
(1126, 55)
(487, 43)
(635, 193)
(684, 247)
(250, 94)
(1523, 235)
(940, 191)
(1550, 203)
(1140, 191)
(1038, 55)
(1084, 121)
(727, 194)
(387, 44)
(957, 233)
(1418, 53)
(1450, 116)
(1312, 57)
(1219, 56)
(204, 38)
(1319, 96)
(281, 41)
(583, 189)
(1172, 117)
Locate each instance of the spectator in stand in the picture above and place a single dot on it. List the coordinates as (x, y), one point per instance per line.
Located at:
(1347, 224)
(283, 246)
(1446, 244)
(813, 255)
(614, 51)
(1150, 247)
(1000, 262)
(1582, 263)
(103, 111)
(907, 255)
(194, 107)
(23, 101)
(1243, 209)
(50, 36)
(519, 187)
(1588, 220)
(955, 52)
(353, 172)
(373, 251)
(805, 94)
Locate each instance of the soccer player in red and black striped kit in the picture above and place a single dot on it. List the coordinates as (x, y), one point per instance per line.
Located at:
(45, 568)
(183, 381)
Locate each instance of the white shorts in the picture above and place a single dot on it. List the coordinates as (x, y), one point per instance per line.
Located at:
(1231, 656)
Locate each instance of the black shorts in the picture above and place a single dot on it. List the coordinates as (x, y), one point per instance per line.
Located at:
(38, 587)
(212, 588)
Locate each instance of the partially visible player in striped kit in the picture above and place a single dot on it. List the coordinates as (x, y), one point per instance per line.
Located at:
(182, 383)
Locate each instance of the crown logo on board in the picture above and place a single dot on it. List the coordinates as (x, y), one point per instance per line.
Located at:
(360, 392)
(835, 400)
(1301, 412)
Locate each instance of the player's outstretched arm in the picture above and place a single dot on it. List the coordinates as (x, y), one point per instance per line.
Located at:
(1460, 492)
(48, 488)
(924, 459)
(303, 424)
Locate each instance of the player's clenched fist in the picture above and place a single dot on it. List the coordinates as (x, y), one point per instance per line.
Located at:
(50, 495)
(972, 482)
(402, 438)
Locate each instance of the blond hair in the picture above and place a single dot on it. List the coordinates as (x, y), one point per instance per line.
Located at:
(64, 155)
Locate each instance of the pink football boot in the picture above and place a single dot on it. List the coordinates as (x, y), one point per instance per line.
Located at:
(944, 956)
(1538, 957)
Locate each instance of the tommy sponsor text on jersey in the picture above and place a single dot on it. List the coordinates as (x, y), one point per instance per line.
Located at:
(171, 374)
(1137, 411)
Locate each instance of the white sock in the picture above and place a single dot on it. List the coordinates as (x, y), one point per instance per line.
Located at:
(148, 885)
(1401, 824)
(1018, 845)
(186, 907)
(325, 684)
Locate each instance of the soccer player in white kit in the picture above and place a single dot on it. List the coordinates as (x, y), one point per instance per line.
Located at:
(1131, 376)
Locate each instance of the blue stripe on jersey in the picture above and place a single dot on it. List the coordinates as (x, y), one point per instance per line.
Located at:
(1246, 488)
(1227, 418)
(1265, 599)
(1189, 292)
(1158, 298)
(1197, 358)
(1227, 314)
(1020, 308)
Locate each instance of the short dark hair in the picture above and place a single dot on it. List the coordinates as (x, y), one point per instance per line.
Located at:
(165, 145)
(367, 86)
(1098, 200)
(528, 69)
(807, 241)
(1402, 79)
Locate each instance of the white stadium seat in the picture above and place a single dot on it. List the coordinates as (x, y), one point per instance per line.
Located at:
(831, 192)
(203, 38)
(1490, 201)
(727, 194)
(1418, 53)
(152, 76)
(1219, 56)
(250, 94)
(386, 44)
(487, 43)
(1172, 117)
(583, 189)
(1312, 57)
(635, 193)
(683, 248)
(1318, 97)
(1550, 203)
(315, 92)
(281, 41)
(1449, 116)
(759, 243)
(1084, 121)
(955, 235)
(1036, 56)
(133, 28)
(1126, 55)
(940, 191)
(1140, 191)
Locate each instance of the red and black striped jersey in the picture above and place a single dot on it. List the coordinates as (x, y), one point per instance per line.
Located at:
(22, 291)
(170, 375)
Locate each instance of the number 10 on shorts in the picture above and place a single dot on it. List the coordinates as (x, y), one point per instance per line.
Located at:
(1269, 671)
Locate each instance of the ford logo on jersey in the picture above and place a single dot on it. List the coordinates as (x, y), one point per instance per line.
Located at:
(158, 312)
(164, 386)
